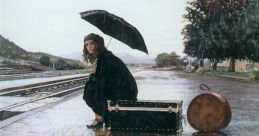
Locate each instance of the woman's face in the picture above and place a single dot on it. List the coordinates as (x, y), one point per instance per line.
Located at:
(91, 46)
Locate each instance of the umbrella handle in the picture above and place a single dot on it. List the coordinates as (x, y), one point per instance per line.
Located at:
(109, 42)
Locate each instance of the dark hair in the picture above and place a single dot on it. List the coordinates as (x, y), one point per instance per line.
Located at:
(89, 58)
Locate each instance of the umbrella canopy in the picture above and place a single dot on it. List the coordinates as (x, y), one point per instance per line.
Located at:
(115, 27)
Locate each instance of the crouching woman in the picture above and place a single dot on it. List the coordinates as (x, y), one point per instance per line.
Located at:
(110, 79)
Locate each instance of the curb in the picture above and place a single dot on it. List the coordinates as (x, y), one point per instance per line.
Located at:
(237, 78)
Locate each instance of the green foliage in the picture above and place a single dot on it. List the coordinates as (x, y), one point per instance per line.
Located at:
(64, 64)
(221, 29)
(203, 70)
(61, 64)
(167, 59)
(73, 66)
(17, 55)
(6, 62)
(45, 61)
(251, 30)
(178, 68)
(256, 74)
(11, 50)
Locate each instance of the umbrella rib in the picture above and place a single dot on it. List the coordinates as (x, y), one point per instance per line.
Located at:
(109, 42)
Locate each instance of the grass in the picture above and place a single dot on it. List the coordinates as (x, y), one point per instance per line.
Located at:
(6, 78)
(236, 74)
(207, 70)
(247, 75)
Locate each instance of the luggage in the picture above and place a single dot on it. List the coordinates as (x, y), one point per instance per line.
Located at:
(209, 111)
(154, 116)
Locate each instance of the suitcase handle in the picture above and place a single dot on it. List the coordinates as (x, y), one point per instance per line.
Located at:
(117, 108)
(205, 87)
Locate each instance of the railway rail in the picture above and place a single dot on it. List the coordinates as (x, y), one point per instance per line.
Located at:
(38, 97)
(38, 84)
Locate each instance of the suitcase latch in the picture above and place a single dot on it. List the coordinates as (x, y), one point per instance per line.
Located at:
(170, 109)
(117, 107)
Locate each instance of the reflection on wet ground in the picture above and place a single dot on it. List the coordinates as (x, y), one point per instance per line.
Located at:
(69, 118)
(167, 85)
(243, 97)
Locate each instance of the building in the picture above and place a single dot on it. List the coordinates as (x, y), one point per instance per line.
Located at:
(240, 66)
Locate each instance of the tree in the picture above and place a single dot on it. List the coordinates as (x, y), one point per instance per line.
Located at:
(250, 22)
(45, 60)
(220, 30)
(61, 64)
(167, 59)
(199, 40)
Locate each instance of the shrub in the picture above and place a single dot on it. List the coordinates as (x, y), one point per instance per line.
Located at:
(202, 70)
(256, 74)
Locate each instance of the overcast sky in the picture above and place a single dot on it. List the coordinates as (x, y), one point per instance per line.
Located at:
(55, 26)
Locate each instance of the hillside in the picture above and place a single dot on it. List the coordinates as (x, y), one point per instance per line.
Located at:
(12, 54)
(11, 50)
(125, 57)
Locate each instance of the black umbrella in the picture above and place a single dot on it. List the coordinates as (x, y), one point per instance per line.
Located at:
(115, 27)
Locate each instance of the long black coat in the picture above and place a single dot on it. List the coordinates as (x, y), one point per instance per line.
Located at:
(111, 81)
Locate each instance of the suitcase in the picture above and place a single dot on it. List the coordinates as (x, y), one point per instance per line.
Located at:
(143, 115)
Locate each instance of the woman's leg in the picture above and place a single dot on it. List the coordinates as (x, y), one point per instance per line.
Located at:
(98, 117)
(93, 97)
(97, 123)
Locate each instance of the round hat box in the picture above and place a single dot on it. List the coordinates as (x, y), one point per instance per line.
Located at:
(208, 111)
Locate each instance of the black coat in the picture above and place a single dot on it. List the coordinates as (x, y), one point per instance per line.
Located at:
(111, 81)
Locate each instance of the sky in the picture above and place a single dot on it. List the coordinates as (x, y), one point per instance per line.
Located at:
(55, 26)
(1, 17)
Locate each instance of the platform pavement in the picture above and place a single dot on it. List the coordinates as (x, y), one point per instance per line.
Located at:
(65, 119)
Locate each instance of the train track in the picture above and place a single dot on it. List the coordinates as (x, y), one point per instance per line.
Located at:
(37, 84)
(39, 97)
(43, 87)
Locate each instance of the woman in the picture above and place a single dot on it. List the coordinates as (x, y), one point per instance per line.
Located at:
(110, 79)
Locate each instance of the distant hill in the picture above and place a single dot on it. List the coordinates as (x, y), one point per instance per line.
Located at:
(125, 57)
(12, 54)
(131, 59)
(11, 50)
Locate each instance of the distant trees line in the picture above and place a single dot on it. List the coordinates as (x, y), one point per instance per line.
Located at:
(60, 64)
(165, 59)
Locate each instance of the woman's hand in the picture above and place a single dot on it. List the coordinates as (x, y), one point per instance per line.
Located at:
(93, 69)
(92, 78)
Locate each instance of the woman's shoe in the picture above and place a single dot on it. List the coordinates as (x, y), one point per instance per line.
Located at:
(95, 124)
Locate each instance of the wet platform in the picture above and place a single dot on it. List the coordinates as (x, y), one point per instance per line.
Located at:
(9, 100)
(65, 119)
(69, 118)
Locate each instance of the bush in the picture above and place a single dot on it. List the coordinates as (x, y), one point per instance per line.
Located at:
(256, 74)
(189, 68)
(202, 70)
(45, 60)
(7, 62)
(178, 68)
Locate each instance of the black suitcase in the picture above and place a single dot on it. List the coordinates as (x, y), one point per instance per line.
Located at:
(143, 115)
